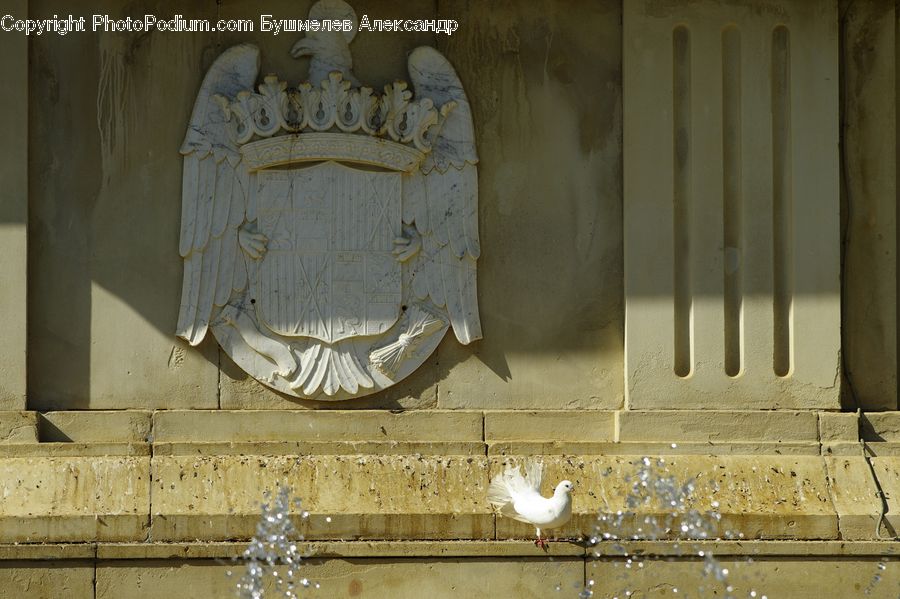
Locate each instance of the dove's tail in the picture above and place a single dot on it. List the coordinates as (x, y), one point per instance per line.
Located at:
(510, 483)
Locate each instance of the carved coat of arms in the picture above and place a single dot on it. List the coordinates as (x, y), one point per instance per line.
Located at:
(329, 233)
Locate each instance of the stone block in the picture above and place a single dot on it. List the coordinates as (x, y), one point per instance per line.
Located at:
(47, 579)
(795, 577)
(346, 578)
(349, 497)
(839, 434)
(710, 426)
(838, 428)
(18, 427)
(855, 497)
(887, 475)
(74, 499)
(549, 432)
(550, 425)
(881, 426)
(120, 426)
(460, 428)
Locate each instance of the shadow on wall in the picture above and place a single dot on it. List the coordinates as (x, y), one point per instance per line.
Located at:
(108, 113)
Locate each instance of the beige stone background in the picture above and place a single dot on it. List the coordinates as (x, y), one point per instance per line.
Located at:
(131, 465)
(107, 115)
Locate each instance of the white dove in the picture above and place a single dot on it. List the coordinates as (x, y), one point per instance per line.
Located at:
(520, 498)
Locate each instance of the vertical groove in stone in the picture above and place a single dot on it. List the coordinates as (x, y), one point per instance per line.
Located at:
(681, 199)
(733, 200)
(782, 202)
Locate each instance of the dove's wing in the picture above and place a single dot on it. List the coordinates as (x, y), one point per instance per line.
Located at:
(534, 474)
(213, 197)
(515, 494)
(443, 201)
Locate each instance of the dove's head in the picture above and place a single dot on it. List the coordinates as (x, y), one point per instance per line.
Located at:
(564, 488)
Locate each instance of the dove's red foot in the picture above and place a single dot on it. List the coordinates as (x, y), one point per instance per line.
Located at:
(542, 543)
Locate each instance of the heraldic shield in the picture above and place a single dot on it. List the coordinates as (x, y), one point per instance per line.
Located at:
(329, 271)
(329, 233)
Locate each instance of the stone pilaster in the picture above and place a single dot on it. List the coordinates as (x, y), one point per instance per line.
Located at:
(13, 211)
(732, 246)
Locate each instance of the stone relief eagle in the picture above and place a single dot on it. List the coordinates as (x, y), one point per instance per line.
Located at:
(224, 245)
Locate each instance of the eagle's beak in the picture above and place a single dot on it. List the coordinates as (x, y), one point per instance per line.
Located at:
(302, 48)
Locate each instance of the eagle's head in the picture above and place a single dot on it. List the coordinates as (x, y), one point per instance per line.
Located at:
(328, 50)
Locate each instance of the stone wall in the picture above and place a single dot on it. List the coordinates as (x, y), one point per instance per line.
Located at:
(688, 221)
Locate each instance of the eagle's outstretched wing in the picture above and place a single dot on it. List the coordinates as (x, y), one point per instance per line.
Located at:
(213, 197)
(443, 199)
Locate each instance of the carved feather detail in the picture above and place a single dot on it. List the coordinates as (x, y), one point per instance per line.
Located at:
(421, 323)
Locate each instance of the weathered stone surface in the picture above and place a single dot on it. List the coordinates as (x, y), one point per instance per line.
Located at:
(836, 428)
(550, 283)
(334, 426)
(761, 497)
(103, 288)
(47, 580)
(855, 497)
(352, 549)
(530, 426)
(887, 473)
(369, 497)
(14, 106)
(74, 499)
(839, 434)
(717, 426)
(346, 578)
(74, 450)
(868, 61)
(732, 284)
(121, 426)
(18, 427)
(796, 578)
(881, 426)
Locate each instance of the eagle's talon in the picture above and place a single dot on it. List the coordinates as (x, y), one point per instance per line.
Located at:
(254, 244)
(408, 245)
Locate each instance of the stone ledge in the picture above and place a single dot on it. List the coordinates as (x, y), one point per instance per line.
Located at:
(18, 427)
(308, 448)
(654, 448)
(451, 578)
(855, 497)
(74, 498)
(73, 450)
(761, 497)
(57, 497)
(416, 497)
(450, 548)
(887, 473)
(219, 426)
(710, 426)
(449, 432)
(217, 497)
(880, 426)
(554, 426)
(95, 426)
(835, 427)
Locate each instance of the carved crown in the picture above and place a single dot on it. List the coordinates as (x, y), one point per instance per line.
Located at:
(393, 116)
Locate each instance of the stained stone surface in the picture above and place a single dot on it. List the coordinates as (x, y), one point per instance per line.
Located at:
(732, 218)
